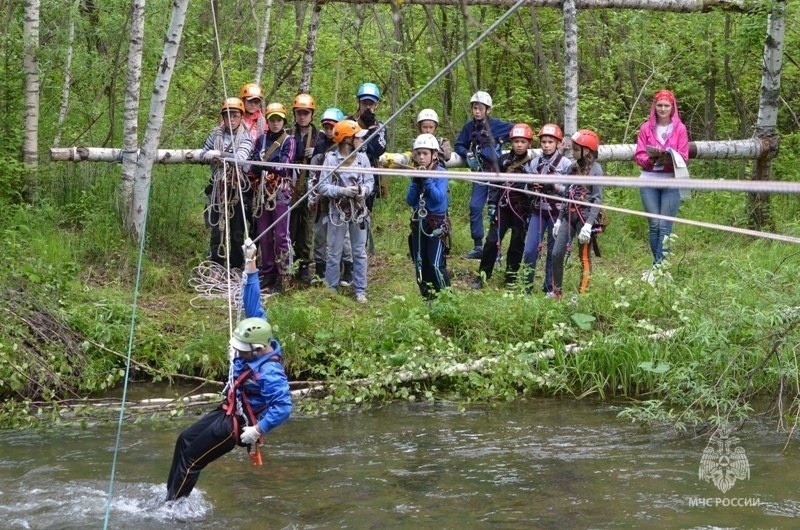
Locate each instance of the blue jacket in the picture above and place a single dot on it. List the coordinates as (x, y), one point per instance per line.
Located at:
(485, 137)
(433, 190)
(268, 389)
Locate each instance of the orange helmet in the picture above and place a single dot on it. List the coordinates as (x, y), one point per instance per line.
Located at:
(345, 129)
(232, 104)
(586, 138)
(521, 130)
(551, 129)
(251, 90)
(304, 101)
(275, 108)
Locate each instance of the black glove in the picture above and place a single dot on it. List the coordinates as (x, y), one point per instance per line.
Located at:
(419, 181)
(368, 118)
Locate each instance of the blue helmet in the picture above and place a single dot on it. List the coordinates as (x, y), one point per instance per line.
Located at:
(332, 114)
(369, 91)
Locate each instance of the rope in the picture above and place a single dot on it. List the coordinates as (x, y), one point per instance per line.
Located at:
(128, 357)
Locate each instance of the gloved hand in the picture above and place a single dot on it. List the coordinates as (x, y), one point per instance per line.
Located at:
(348, 191)
(419, 182)
(249, 249)
(585, 234)
(209, 156)
(556, 228)
(359, 192)
(472, 162)
(492, 211)
(249, 435)
(368, 118)
(309, 152)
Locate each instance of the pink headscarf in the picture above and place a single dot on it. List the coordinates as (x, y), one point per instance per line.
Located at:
(668, 95)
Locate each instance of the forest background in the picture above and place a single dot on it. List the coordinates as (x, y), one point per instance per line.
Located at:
(716, 344)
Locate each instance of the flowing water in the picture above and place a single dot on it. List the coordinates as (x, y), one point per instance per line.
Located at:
(535, 464)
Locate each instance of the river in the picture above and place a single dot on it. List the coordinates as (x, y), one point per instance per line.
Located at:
(546, 464)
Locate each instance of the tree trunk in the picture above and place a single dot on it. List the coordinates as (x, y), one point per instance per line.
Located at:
(262, 45)
(30, 66)
(570, 68)
(158, 102)
(130, 127)
(677, 6)
(311, 47)
(62, 112)
(770, 93)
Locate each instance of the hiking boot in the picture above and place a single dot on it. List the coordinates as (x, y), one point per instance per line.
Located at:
(319, 272)
(361, 298)
(346, 279)
(475, 253)
(304, 275)
(275, 288)
(267, 280)
(477, 283)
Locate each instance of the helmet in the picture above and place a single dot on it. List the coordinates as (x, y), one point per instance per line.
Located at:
(481, 97)
(304, 101)
(232, 104)
(551, 129)
(428, 114)
(333, 115)
(345, 129)
(586, 138)
(251, 333)
(426, 141)
(275, 108)
(251, 90)
(521, 130)
(369, 91)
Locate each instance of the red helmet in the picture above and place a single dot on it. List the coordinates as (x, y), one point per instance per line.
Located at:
(521, 130)
(551, 129)
(586, 138)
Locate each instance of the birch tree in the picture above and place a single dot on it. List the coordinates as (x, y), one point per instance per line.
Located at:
(65, 89)
(770, 94)
(30, 66)
(311, 46)
(158, 102)
(130, 127)
(570, 67)
(262, 44)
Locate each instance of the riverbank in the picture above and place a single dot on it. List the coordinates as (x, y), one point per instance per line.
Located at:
(696, 346)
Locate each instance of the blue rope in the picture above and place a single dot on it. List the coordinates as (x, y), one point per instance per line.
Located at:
(127, 361)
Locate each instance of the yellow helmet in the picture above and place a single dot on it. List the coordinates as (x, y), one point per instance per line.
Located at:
(304, 101)
(275, 108)
(251, 90)
(232, 104)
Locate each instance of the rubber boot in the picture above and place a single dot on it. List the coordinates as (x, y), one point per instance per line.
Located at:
(347, 274)
(303, 275)
(319, 272)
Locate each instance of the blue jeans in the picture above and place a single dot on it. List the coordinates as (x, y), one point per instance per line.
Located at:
(662, 202)
(540, 224)
(477, 200)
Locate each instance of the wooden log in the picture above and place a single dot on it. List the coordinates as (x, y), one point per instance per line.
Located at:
(750, 149)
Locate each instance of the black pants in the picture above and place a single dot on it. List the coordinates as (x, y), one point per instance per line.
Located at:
(505, 219)
(429, 255)
(200, 444)
(301, 226)
(217, 244)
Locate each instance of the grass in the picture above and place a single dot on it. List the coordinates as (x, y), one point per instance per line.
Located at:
(732, 309)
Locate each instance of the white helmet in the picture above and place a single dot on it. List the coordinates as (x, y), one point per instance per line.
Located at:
(428, 114)
(481, 97)
(426, 141)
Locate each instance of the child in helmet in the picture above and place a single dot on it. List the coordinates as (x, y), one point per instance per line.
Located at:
(273, 194)
(508, 209)
(347, 192)
(429, 225)
(257, 366)
(578, 219)
(368, 97)
(478, 144)
(229, 140)
(544, 210)
(319, 205)
(427, 123)
(301, 228)
(253, 118)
